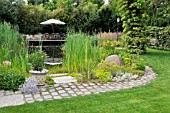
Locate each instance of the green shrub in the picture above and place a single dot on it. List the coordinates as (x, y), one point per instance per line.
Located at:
(10, 79)
(102, 74)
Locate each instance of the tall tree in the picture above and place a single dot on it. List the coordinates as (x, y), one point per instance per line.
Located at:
(133, 14)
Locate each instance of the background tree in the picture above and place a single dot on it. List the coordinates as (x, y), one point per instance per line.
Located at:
(133, 13)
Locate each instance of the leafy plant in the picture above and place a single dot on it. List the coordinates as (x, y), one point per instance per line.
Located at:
(102, 74)
(10, 79)
(49, 80)
(37, 59)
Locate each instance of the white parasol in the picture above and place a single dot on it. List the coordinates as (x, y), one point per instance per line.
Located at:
(52, 22)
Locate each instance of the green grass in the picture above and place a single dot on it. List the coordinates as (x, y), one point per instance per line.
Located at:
(151, 98)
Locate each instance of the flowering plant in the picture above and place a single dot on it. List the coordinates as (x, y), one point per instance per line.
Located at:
(36, 59)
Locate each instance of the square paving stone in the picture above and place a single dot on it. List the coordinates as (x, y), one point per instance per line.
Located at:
(79, 93)
(89, 87)
(65, 86)
(45, 93)
(17, 92)
(96, 87)
(59, 88)
(57, 97)
(39, 99)
(46, 97)
(70, 92)
(61, 91)
(64, 95)
(87, 93)
(73, 94)
(84, 90)
(68, 89)
(56, 85)
(91, 84)
(76, 90)
(80, 87)
(73, 86)
(85, 85)
(37, 96)
(28, 95)
(52, 90)
(29, 99)
(54, 93)
(43, 89)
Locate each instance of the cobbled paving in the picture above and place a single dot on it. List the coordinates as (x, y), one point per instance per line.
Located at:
(67, 90)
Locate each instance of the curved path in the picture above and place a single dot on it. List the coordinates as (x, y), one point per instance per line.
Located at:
(67, 90)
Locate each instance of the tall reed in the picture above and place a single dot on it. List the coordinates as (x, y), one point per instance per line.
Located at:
(13, 48)
(82, 53)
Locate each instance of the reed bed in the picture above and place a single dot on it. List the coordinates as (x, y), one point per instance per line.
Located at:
(13, 48)
(82, 54)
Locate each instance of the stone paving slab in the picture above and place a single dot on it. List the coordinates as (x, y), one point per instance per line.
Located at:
(65, 79)
(12, 100)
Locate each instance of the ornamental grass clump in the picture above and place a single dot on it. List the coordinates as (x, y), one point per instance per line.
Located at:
(82, 54)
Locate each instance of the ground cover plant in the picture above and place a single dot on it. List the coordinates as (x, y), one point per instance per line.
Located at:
(152, 98)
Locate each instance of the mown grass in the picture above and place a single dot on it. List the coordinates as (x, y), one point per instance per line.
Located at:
(151, 98)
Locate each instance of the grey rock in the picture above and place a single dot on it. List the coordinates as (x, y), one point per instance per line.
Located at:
(114, 59)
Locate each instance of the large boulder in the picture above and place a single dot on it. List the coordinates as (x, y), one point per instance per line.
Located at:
(114, 59)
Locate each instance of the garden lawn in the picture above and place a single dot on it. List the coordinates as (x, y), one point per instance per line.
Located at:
(151, 98)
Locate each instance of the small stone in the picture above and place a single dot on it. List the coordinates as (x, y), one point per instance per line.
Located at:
(28, 96)
(52, 90)
(57, 97)
(56, 85)
(59, 88)
(45, 93)
(37, 96)
(64, 95)
(91, 84)
(54, 93)
(73, 94)
(29, 99)
(39, 99)
(70, 92)
(61, 91)
(68, 89)
(80, 87)
(79, 93)
(84, 90)
(47, 97)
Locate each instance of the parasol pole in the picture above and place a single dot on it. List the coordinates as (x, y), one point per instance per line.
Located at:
(52, 27)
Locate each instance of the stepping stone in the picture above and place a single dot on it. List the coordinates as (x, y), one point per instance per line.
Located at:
(58, 75)
(12, 100)
(65, 79)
